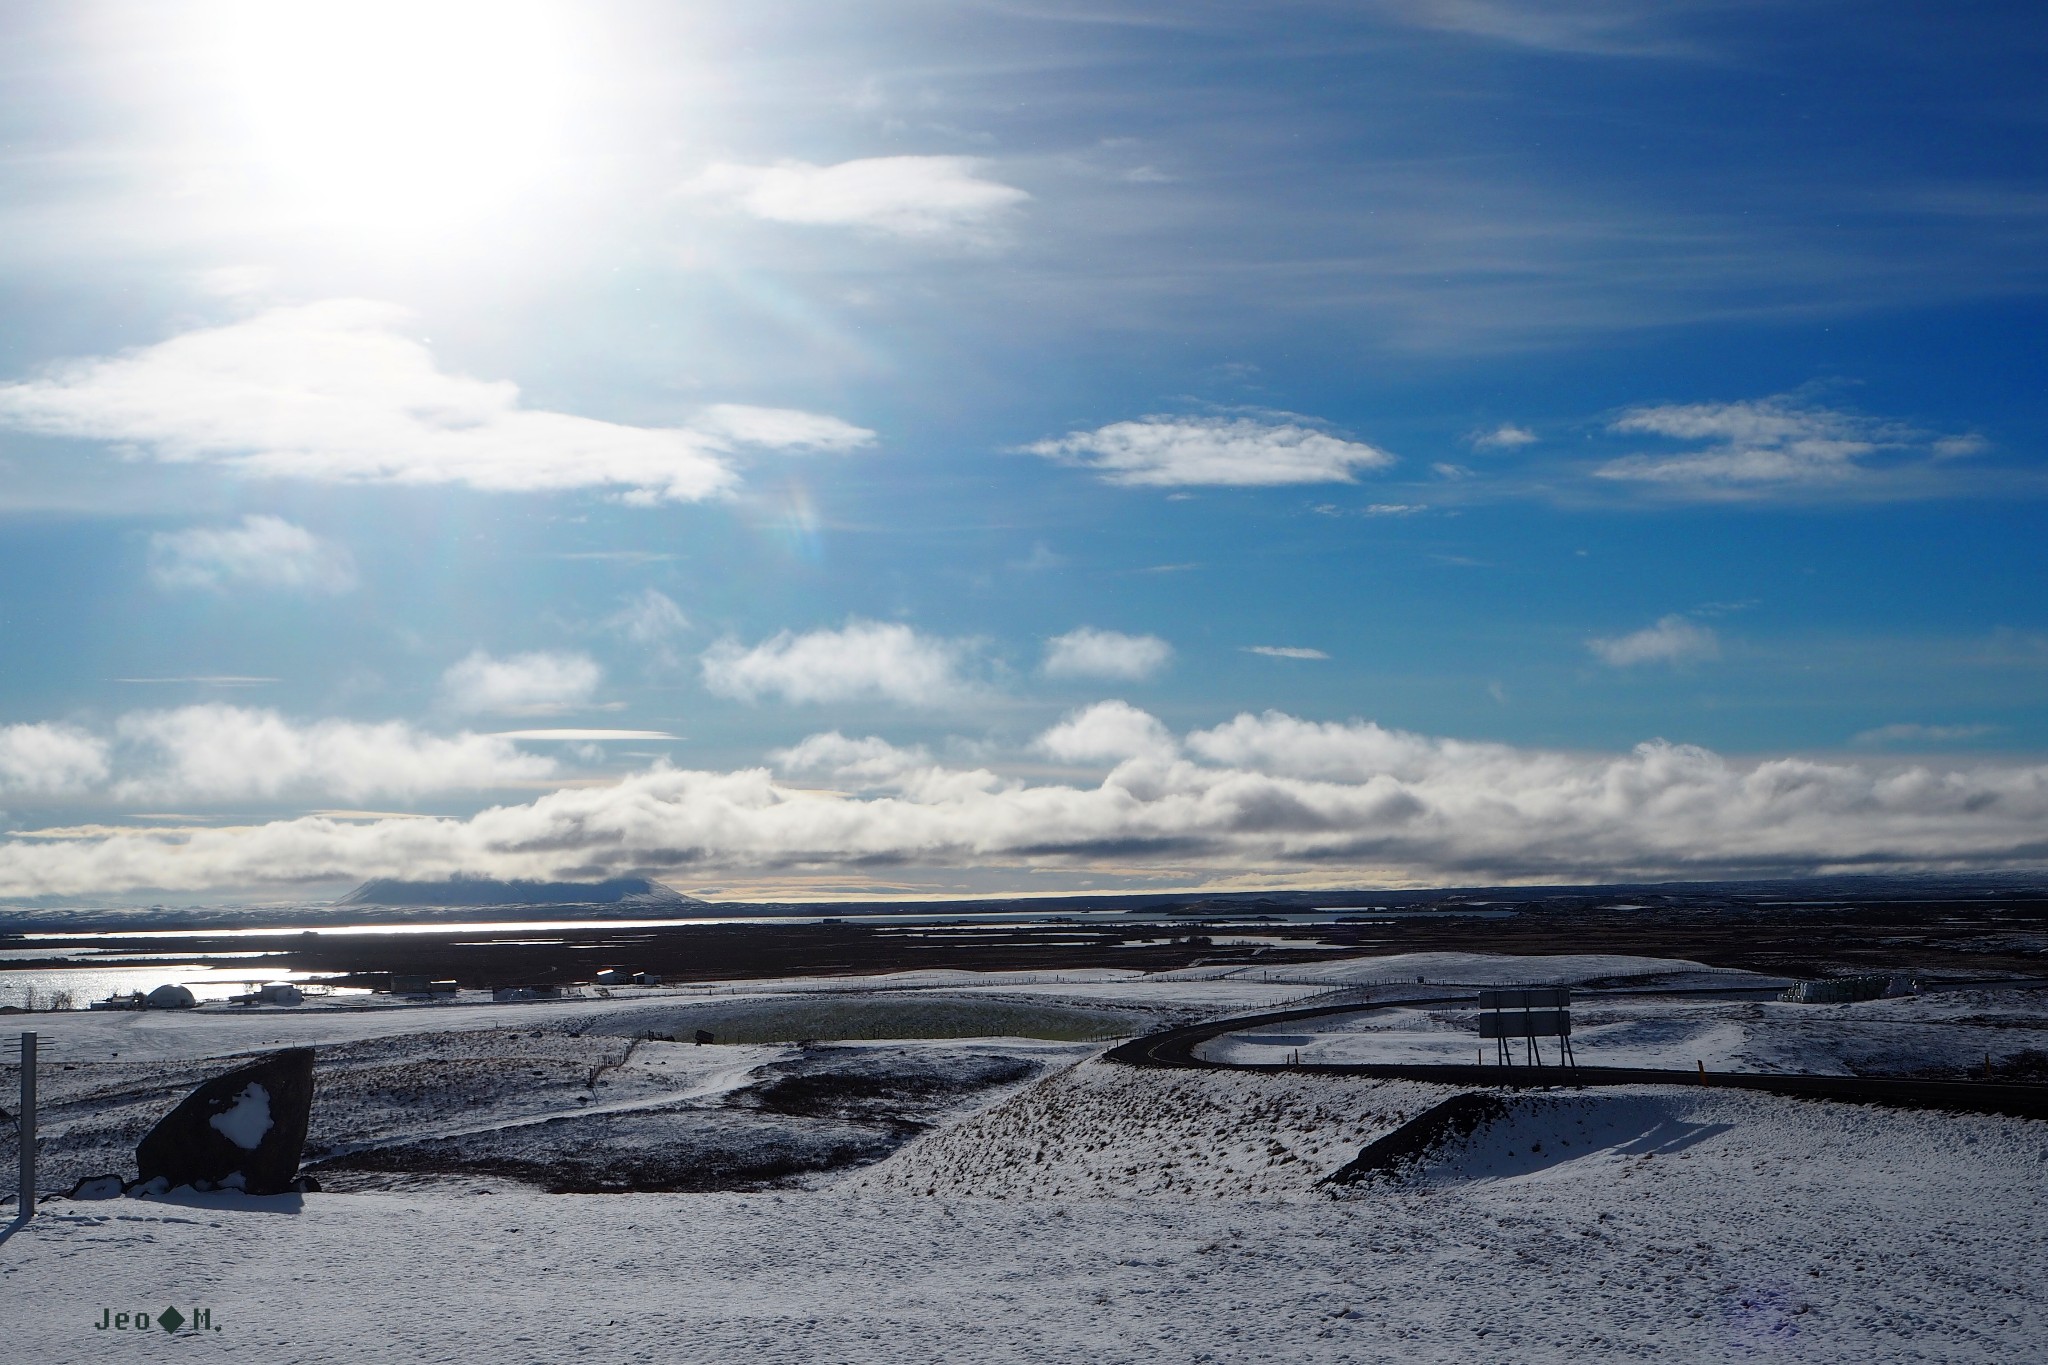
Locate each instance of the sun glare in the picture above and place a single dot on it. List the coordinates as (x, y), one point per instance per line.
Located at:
(397, 116)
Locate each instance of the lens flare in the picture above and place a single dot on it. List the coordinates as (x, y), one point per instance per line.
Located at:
(379, 114)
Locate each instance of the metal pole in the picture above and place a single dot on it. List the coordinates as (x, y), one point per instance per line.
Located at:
(26, 1126)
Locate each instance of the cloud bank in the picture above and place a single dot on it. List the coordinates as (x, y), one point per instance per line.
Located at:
(1270, 794)
(342, 392)
(214, 753)
(1217, 451)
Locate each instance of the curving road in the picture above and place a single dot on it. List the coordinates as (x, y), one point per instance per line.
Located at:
(1175, 1048)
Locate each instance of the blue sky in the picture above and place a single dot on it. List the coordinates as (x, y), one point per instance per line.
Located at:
(928, 448)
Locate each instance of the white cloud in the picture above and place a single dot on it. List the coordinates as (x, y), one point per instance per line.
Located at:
(1285, 652)
(1091, 653)
(536, 684)
(869, 761)
(46, 759)
(1109, 731)
(866, 660)
(906, 196)
(1269, 794)
(1755, 447)
(343, 392)
(1506, 436)
(1909, 733)
(784, 429)
(261, 552)
(225, 753)
(1220, 451)
(583, 735)
(1673, 640)
(650, 618)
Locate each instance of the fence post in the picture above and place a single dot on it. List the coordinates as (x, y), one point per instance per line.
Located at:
(25, 1125)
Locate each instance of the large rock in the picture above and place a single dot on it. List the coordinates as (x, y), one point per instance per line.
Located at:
(244, 1130)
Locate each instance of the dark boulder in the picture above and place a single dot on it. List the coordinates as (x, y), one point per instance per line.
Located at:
(97, 1187)
(243, 1130)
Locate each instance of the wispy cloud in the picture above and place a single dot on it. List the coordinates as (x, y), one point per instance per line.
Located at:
(650, 619)
(862, 661)
(1091, 653)
(260, 552)
(1594, 28)
(904, 196)
(1767, 445)
(537, 684)
(1285, 651)
(1910, 733)
(1219, 451)
(1672, 640)
(1506, 436)
(344, 392)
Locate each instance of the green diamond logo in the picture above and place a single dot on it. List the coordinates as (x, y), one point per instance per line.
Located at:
(170, 1319)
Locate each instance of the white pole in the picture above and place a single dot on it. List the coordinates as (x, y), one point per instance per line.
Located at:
(26, 1126)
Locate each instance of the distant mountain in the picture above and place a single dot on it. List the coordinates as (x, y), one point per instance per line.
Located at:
(638, 892)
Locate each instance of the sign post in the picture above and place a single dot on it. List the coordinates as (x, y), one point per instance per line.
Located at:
(25, 1126)
(1545, 1013)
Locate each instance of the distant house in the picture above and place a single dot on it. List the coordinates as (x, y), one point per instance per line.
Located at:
(280, 993)
(169, 997)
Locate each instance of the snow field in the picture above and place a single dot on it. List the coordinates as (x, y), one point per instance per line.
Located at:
(1945, 1034)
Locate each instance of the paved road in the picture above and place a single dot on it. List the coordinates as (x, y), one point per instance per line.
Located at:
(1175, 1048)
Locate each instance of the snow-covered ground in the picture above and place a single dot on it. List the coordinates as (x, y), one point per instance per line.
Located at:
(1948, 1033)
(1011, 1199)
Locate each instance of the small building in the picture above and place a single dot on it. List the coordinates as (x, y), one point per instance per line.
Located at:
(169, 997)
(613, 976)
(647, 979)
(280, 993)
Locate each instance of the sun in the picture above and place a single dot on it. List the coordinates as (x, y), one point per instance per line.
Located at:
(385, 115)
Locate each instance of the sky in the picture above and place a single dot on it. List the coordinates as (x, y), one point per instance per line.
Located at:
(808, 450)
